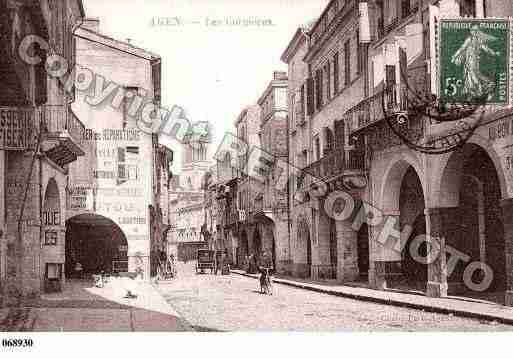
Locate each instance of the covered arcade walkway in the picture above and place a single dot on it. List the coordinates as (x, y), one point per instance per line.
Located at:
(97, 243)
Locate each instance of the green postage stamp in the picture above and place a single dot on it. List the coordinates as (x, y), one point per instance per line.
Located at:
(474, 61)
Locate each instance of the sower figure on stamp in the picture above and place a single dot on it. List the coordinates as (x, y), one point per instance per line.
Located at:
(476, 84)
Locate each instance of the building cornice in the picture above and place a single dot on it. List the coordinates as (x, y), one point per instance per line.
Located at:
(294, 45)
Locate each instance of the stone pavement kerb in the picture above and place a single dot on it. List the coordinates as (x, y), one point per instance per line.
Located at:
(457, 307)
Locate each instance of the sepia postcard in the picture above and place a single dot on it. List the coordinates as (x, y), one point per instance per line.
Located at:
(261, 167)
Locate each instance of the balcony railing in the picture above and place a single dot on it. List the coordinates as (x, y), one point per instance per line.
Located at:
(370, 110)
(58, 118)
(336, 164)
(366, 112)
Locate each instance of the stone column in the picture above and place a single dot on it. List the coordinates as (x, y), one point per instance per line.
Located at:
(281, 243)
(437, 266)
(321, 263)
(385, 256)
(507, 220)
(347, 252)
(250, 231)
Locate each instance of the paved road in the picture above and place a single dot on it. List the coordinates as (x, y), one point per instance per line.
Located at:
(233, 303)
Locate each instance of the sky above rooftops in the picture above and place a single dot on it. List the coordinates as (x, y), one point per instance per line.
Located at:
(212, 64)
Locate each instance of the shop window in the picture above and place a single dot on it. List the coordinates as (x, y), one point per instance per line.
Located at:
(53, 277)
(50, 238)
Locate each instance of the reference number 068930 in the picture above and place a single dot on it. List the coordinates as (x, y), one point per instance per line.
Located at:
(17, 343)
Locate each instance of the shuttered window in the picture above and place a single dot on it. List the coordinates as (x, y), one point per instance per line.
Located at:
(336, 70)
(347, 63)
(328, 81)
(310, 96)
(121, 160)
(318, 89)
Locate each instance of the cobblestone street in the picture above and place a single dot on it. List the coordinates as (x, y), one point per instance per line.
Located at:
(233, 303)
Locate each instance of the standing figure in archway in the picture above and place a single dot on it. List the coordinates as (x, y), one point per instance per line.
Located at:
(78, 270)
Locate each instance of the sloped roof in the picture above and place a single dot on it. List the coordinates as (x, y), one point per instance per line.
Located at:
(115, 44)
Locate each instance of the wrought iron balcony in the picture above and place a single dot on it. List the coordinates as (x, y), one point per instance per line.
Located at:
(64, 134)
(337, 163)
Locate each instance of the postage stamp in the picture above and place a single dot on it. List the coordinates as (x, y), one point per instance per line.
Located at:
(474, 61)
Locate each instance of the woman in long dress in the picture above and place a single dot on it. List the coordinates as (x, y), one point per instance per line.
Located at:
(476, 84)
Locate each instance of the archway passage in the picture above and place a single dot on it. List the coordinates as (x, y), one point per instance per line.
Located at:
(242, 249)
(412, 207)
(478, 232)
(304, 251)
(257, 244)
(97, 243)
(363, 251)
(333, 248)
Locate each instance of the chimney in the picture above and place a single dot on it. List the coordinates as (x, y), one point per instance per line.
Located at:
(92, 24)
(280, 75)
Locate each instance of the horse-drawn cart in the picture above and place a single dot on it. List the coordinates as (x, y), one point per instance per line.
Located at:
(205, 260)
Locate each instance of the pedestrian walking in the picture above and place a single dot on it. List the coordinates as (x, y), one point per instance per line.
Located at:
(78, 270)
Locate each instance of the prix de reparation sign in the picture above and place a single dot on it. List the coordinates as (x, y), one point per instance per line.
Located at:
(474, 61)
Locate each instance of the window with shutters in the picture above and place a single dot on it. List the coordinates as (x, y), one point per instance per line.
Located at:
(126, 107)
(310, 99)
(405, 8)
(293, 105)
(347, 63)
(300, 115)
(318, 89)
(328, 141)
(468, 8)
(317, 142)
(121, 162)
(390, 83)
(127, 164)
(359, 54)
(335, 74)
(328, 81)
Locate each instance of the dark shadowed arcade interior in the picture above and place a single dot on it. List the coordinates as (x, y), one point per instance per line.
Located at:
(97, 243)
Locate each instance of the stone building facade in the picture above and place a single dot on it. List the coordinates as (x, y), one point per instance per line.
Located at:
(249, 190)
(186, 198)
(271, 216)
(356, 56)
(326, 77)
(40, 138)
(459, 197)
(115, 202)
(221, 215)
